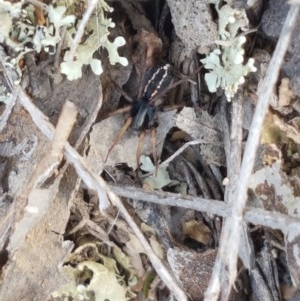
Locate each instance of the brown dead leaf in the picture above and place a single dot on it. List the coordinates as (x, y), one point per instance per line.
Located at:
(290, 131)
(157, 247)
(133, 246)
(105, 132)
(134, 249)
(39, 15)
(295, 122)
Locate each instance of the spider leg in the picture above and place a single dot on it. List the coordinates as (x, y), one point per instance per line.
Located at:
(119, 111)
(141, 143)
(153, 144)
(140, 146)
(121, 91)
(120, 135)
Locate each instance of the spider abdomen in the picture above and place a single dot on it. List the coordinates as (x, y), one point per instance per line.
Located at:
(156, 80)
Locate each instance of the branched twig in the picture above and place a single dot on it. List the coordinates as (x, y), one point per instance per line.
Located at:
(228, 251)
(254, 216)
(172, 199)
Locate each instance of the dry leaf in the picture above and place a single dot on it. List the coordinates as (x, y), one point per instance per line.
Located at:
(105, 132)
(148, 49)
(133, 247)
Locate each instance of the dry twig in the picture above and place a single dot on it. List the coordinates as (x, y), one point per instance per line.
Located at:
(80, 31)
(254, 216)
(179, 151)
(42, 172)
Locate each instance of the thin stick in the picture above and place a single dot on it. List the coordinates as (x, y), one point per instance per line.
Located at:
(80, 31)
(52, 158)
(44, 169)
(63, 31)
(120, 136)
(229, 249)
(179, 151)
(171, 199)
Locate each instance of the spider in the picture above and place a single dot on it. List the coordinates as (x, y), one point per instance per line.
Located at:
(142, 111)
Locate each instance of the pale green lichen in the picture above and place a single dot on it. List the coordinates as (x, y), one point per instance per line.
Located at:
(5, 97)
(14, 9)
(20, 31)
(49, 37)
(98, 29)
(159, 179)
(103, 283)
(226, 63)
(94, 276)
(231, 21)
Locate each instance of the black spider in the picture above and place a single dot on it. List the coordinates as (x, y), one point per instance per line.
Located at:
(156, 81)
